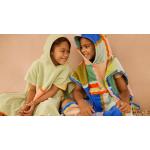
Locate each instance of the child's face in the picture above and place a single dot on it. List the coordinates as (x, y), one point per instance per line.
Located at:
(87, 48)
(60, 53)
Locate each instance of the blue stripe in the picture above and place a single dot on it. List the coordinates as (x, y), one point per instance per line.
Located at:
(77, 82)
(95, 101)
(67, 105)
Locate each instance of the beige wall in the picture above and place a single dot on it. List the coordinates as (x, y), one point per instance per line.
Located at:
(17, 52)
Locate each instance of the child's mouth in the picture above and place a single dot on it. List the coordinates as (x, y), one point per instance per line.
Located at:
(64, 59)
(86, 56)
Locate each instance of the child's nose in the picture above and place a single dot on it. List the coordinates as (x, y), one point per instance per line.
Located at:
(66, 54)
(82, 50)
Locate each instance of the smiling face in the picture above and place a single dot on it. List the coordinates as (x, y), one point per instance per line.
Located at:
(87, 48)
(60, 53)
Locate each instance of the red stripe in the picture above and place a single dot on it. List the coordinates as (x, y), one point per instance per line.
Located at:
(93, 85)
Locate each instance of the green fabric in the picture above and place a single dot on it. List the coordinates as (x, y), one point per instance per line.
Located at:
(90, 74)
(84, 77)
(80, 75)
(114, 67)
(43, 73)
(10, 104)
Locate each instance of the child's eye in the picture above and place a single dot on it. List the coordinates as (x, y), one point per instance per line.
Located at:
(86, 46)
(62, 51)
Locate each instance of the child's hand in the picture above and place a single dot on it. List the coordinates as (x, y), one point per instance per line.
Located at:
(124, 106)
(24, 108)
(31, 107)
(85, 109)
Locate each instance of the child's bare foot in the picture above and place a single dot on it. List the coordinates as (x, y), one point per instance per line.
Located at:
(2, 114)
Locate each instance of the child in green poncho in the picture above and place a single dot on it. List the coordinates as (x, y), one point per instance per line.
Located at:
(46, 80)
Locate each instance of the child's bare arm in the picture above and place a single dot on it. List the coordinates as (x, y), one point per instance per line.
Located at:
(123, 89)
(85, 107)
(31, 94)
(124, 104)
(77, 94)
(50, 93)
(32, 105)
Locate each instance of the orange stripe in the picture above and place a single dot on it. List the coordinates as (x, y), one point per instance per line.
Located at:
(100, 92)
(107, 48)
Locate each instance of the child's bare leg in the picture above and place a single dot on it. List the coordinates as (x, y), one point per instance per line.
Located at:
(65, 102)
(69, 108)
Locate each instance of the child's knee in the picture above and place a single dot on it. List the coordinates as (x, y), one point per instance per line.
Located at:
(47, 108)
(64, 103)
(70, 108)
